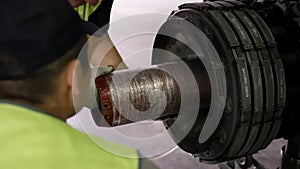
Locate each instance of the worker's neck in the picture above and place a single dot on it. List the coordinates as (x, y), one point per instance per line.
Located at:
(47, 106)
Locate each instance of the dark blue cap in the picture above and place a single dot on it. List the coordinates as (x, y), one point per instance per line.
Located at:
(34, 33)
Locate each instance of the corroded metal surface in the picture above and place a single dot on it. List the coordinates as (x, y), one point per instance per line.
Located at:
(143, 94)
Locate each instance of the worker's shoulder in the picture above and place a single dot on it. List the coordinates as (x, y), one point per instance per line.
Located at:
(49, 140)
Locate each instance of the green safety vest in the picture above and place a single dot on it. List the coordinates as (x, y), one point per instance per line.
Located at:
(84, 11)
(30, 139)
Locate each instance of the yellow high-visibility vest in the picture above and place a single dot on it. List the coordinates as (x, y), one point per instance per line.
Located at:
(30, 139)
(86, 10)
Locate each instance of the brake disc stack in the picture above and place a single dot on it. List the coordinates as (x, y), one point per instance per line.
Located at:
(256, 89)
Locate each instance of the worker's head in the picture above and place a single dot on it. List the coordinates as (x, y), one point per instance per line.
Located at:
(39, 44)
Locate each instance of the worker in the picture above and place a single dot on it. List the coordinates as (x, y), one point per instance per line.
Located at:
(39, 45)
(96, 13)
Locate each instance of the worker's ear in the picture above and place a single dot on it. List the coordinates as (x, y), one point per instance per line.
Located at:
(78, 82)
(69, 71)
